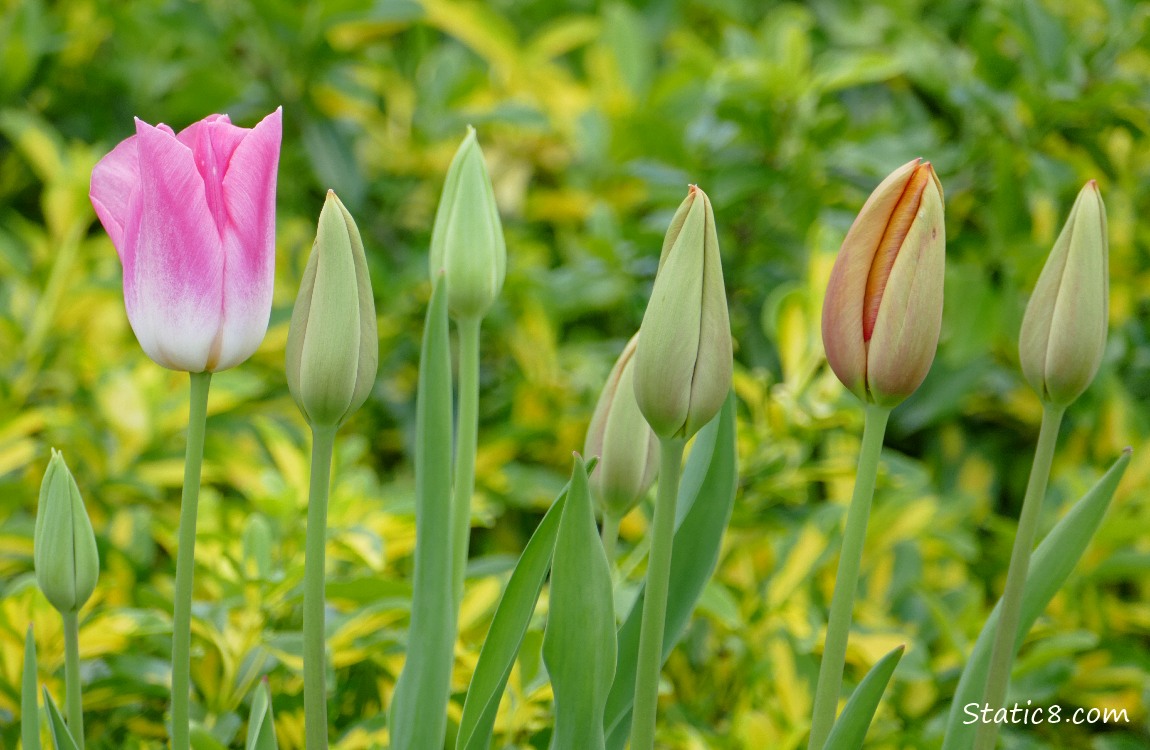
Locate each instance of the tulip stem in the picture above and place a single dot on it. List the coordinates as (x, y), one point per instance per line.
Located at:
(846, 580)
(74, 703)
(610, 534)
(314, 653)
(466, 437)
(1007, 637)
(185, 562)
(650, 662)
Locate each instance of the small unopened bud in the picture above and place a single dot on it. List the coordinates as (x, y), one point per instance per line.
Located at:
(627, 449)
(883, 308)
(683, 362)
(332, 347)
(467, 242)
(64, 552)
(1064, 328)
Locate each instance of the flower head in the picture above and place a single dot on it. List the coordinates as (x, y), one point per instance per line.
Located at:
(64, 545)
(467, 243)
(1064, 328)
(683, 361)
(332, 348)
(192, 216)
(627, 449)
(883, 307)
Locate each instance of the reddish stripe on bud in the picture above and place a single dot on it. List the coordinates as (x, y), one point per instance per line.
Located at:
(892, 239)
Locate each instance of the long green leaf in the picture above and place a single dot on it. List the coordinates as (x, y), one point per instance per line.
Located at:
(579, 642)
(707, 491)
(851, 727)
(419, 707)
(61, 737)
(261, 723)
(29, 713)
(508, 627)
(1050, 566)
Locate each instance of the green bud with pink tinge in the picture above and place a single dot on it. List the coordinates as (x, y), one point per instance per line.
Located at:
(683, 361)
(1064, 329)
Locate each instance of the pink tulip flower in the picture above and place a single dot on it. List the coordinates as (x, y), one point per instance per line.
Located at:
(192, 216)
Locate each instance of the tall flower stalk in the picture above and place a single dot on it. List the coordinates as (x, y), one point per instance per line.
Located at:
(468, 248)
(682, 375)
(192, 217)
(186, 560)
(1060, 349)
(332, 356)
(881, 321)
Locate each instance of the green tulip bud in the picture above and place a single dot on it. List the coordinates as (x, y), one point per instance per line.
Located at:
(683, 362)
(1064, 328)
(883, 309)
(628, 451)
(467, 243)
(64, 552)
(332, 347)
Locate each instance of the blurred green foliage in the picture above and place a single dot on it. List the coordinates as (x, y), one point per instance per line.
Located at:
(594, 117)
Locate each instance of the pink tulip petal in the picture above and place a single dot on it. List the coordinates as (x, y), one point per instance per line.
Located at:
(213, 140)
(173, 289)
(249, 192)
(114, 179)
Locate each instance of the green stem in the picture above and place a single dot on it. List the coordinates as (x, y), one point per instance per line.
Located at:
(74, 704)
(185, 563)
(610, 534)
(466, 437)
(846, 580)
(314, 651)
(650, 662)
(1007, 637)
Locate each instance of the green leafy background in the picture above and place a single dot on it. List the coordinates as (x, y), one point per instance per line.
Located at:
(594, 117)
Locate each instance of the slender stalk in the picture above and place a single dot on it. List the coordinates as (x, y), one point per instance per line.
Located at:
(314, 653)
(846, 580)
(1007, 637)
(650, 662)
(610, 535)
(466, 435)
(74, 703)
(185, 562)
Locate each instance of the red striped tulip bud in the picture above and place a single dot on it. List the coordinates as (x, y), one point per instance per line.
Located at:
(1064, 329)
(883, 308)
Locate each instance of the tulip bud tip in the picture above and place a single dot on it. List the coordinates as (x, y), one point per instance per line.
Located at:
(1128, 451)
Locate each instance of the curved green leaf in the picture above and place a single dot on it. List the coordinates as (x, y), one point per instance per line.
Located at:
(706, 497)
(579, 642)
(61, 737)
(261, 724)
(29, 713)
(1050, 566)
(419, 706)
(509, 625)
(851, 727)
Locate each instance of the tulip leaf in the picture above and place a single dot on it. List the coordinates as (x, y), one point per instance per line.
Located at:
(261, 723)
(508, 628)
(419, 706)
(61, 737)
(29, 713)
(851, 727)
(1050, 566)
(706, 498)
(579, 642)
